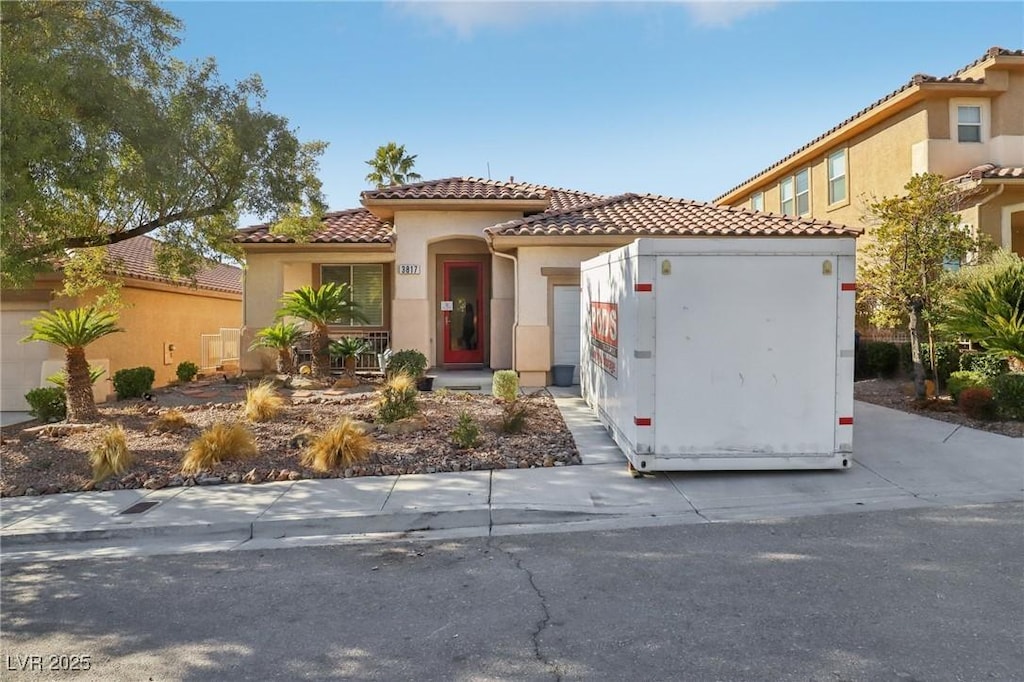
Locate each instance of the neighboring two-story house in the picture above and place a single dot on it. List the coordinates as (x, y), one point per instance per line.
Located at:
(967, 127)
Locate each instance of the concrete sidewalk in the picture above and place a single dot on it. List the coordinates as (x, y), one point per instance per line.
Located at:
(901, 461)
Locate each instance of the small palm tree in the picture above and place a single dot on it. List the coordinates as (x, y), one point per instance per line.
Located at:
(391, 166)
(349, 349)
(320, 307)
(281, 337)
(73, 330)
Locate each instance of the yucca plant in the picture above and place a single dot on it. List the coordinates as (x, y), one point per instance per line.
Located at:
(262, 403)
(989, 308)
(73, 330)
(112, 456)
(320, 307)
(219, 443)
(280, 337)
(343, 445)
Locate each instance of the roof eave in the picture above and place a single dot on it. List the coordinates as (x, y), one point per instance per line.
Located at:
(267, 247)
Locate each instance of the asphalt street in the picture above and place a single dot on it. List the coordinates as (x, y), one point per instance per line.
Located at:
(924, 594)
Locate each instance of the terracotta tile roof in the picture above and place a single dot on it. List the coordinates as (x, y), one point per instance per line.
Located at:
(461, 188)
(135, 258)
(353, 226)
(651, 215)
(987, 171)
(918, 79)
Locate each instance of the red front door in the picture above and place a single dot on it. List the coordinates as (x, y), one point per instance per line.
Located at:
(462, 310)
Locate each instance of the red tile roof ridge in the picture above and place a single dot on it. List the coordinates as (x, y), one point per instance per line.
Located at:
(992, 52)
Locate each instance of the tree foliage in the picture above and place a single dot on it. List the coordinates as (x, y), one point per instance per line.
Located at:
(105, 137)
(913, 237)
(391, 166)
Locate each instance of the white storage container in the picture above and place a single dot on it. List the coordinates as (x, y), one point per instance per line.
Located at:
(722, 353)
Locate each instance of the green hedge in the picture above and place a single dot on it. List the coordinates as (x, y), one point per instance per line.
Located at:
(1008, 394)
(133, 383)
(47, 404)
(958, 381)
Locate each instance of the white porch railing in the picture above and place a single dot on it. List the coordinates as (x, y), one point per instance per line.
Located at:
(216, 349)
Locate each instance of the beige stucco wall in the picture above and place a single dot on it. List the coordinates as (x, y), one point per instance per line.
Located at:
(153, 317)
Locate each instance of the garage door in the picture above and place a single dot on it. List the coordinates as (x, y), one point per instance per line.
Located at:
(567, 328)
(20, 363)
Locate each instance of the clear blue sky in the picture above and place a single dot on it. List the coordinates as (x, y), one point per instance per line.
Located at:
(675, 98)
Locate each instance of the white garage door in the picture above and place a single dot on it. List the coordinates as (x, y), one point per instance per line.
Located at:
(20, 363)
(567, 328)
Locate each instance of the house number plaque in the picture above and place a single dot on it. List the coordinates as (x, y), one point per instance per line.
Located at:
(408, 269)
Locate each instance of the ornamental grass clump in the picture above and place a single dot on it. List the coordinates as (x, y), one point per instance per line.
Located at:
(262, 403)
(219, 443)
(169, 422)
(343, 445)
(397, 399)
(112, 456)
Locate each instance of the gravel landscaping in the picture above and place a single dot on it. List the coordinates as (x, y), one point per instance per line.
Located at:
(898, 394)
(44, 461)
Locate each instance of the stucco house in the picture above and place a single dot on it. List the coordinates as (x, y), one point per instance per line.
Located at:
(163, 319)
(967, 127)
(476, 272)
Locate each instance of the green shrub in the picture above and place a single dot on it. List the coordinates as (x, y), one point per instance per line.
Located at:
(883, 358)
(47, 404)
(186, 371)
(947, 360)
(466, 433)
(984, 363)
(411, 362)
(513, 416)
(906, 365)
(133, 383)
(1008, 394)
(505, 385)
(397, 399)
(958, 381)
(977, 403)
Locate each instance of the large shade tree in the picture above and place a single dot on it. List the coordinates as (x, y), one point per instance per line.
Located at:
(321, 307)
(73, 330)
(913, 238)
(106, 136)
(391, 166)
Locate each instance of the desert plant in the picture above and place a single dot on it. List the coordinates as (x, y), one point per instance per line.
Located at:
(343, 445)
(186, 371)
(408, 361)
(958, 381)
(883, 358)
(281, 337)
(466, 433)
(513, 416)
(133, 383)
(977, 403)
(169, 421)
(73, 330)
(349, 349)
(112, 456)
(47, 404)
(262, 403)
(219, 443)
(397, 399)
(60, 379)
(1008, 394)
(320, 307)
(505, 385)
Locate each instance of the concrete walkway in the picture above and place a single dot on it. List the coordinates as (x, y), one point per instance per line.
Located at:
(901, 461)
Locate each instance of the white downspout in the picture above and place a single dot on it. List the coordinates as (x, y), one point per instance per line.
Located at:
(515, 295)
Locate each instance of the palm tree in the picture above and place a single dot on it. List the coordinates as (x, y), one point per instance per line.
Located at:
(73, 330)
(391, 166)
(281, 337)
(320, 307)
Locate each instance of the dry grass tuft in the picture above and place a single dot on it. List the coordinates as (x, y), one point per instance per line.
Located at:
(262, 403)
(217, 444)
(397, 399)
(343, 445)
(169, 422)
(111, 457)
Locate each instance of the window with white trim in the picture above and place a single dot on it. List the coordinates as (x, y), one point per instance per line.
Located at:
(968, 123)
(803, 192)
(757, 201)
(786, 204)
(365, 288)
(837, 176)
